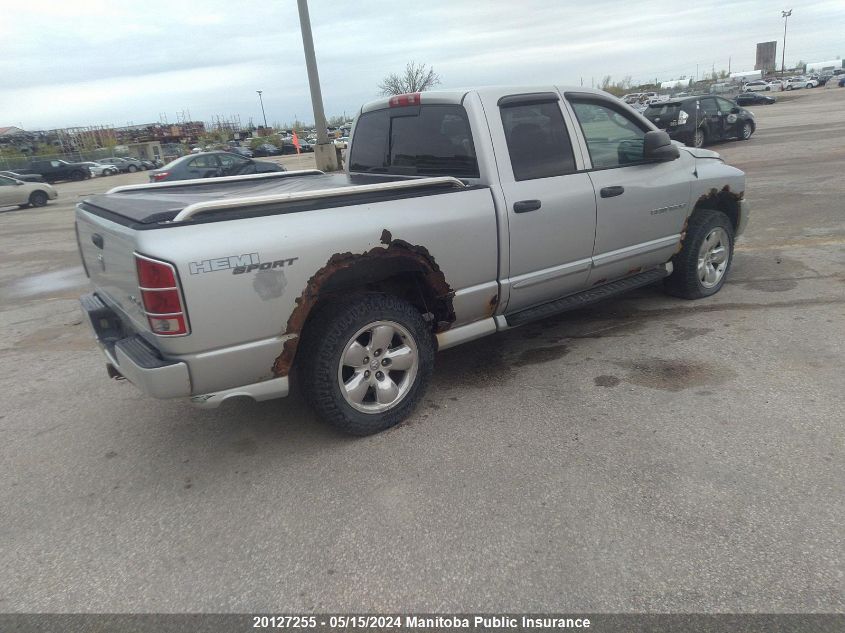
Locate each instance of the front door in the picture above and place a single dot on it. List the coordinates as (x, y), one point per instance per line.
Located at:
(641, 205)
(550, 200)
(11, 192)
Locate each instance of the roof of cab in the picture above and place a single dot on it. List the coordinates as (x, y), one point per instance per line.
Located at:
(457, 96)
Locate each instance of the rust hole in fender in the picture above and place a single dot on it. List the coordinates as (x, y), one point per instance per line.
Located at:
(395, 256)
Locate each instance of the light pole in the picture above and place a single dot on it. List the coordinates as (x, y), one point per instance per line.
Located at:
(262, 106)
(325, 153)
(785, 15)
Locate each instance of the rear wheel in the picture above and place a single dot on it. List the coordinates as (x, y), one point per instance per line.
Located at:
(746, 131)
(37, 199)
(366, 362)
(700, 268)
(698, 137)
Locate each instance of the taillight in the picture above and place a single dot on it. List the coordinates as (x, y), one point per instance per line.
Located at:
(160, 176)
(161, 296)
(410, 99)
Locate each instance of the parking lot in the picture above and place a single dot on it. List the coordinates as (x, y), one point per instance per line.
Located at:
(646, 454)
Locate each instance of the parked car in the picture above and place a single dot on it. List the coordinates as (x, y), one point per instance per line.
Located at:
(25, 194)
(842, 81)
(101, 169)
(266, 149)
(54, 170)
(224, 289)
(758, 86)
(342, 142)
(210, 165)
(149, 164)
(796, 83)
(753, 98)
(697, 121)
(24, 177)
(305, 146)
(241, 151)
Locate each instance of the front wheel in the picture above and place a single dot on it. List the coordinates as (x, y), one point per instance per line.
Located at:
(132, 169)
(366, 362)
(700, 268)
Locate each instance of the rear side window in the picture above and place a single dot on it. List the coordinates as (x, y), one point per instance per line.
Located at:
(429, 140)
(538, 142)
(665, 111)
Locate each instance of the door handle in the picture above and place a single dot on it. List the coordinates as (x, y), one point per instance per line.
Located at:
(523, 206)
(610, 192)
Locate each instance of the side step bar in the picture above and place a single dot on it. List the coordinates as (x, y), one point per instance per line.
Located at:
(587, 297)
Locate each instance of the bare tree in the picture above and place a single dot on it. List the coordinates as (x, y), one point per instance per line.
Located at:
(416, 78)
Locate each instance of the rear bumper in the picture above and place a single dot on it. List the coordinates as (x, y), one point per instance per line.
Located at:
(132, 357)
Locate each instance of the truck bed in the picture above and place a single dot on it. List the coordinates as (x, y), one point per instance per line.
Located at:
(157, 207)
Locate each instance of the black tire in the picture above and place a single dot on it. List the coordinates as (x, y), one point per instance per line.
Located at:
(319, 358)
(37, 199)
(746, 131)
(131, 169)
(685, 281)
(77, 176)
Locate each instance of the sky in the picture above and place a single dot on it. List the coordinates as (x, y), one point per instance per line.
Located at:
(89, 62)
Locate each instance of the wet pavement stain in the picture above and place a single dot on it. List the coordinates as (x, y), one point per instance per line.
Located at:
(675, 375)
(47, 283)
(606, 381)
(476, 364)
(541, 355)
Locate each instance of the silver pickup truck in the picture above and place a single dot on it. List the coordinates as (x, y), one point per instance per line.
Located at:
(460, 214)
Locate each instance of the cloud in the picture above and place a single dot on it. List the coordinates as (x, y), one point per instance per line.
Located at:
(98, 62)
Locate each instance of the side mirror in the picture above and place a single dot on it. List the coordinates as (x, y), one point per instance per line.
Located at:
(657, 146)
(735, 110)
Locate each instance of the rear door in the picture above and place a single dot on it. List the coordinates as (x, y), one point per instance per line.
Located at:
(203, 166)
(551, 205)
(641, 206)
(714, 120)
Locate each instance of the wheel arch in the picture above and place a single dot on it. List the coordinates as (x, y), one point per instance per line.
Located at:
(724, 200)
(397, 268)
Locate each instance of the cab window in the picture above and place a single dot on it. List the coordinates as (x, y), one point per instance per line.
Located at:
(614, 139)
(538, 142)
(709, 107)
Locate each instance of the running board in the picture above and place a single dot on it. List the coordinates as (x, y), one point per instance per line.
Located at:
(586, 297)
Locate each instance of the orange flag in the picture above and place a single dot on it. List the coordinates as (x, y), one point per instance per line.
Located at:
(296, 142)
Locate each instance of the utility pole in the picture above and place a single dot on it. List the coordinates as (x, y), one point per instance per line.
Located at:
(324, 152)
(785, 15)
(262, 107)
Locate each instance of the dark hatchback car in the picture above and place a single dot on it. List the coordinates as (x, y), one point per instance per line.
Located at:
(210, 165)
(697, 121)
(753, 98)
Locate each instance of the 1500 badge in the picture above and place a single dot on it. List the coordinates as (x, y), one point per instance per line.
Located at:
(238, 264)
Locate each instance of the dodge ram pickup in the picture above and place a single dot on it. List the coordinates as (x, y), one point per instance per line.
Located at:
(460, 214)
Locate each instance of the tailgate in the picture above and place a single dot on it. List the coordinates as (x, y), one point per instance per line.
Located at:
(108, 252)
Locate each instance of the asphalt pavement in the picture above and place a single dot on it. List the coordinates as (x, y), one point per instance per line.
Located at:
(646, 454)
